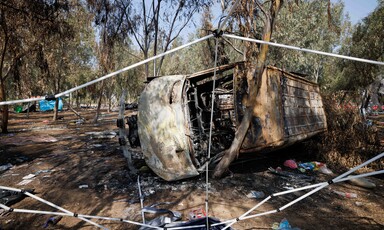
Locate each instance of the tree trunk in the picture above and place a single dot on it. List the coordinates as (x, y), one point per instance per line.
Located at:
(3, 96)
(56, 110)
(4, 108)
(254, 75)
(95, 120)
(123, 134)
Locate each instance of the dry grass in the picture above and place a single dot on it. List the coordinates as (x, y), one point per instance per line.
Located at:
(349, 140)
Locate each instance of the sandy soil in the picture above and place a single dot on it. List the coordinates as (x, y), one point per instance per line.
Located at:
(66, 157)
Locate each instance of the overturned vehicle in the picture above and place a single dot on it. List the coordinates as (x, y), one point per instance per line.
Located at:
(174, 117)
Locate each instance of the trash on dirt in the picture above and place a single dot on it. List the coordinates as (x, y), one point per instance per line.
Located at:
(102, 135)
(29, 176)
(160, 221)
(196, 214)
(5, 167)
(345, 194)
(323, 169)
(25, 182)
(42, 171)
(83, 186)
(283, 225)
(9, 198)
(291, 180)
(359, 204)
(290, 164)
(52, 221)
(362, 182)
(256, 194)
(292, 175)
(288, 187)
(197, 222)
(307, 166)
(314, 166)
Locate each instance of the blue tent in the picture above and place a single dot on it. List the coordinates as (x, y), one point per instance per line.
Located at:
(46, 105)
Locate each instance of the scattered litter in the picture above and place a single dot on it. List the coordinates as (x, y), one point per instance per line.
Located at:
(102, 135)
(9, 198)
(308, 166)
(52, 221)
(290, 164)
(345, 194)
(288, 187)
(314, 166)
(83, 186)
(283, 225)
(42, 171)
(5, 167)
(291, 180)
(196, 214)
(29, 176)
(323, 169)
(280, 172)
(25, 182)
(359, 204)
(256, 194)
(197, 222)
(362, 182)
(98, 145)
(160, 221)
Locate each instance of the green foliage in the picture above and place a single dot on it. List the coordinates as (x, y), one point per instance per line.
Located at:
(309, 25)
(366, 42)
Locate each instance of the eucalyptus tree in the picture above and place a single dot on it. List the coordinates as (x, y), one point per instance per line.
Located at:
(255, 19)
(313, 24)
(109, 19)
(155, 24)
(366, 42)
(23, 25)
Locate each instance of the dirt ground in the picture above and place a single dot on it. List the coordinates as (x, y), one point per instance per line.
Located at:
(80, 167)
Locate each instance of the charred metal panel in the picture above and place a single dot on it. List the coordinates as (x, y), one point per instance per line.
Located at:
(163, 128)
(174, 116)
(303, 107)
(288, 109)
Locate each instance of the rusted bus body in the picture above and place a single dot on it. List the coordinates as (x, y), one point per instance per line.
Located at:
(174, 116)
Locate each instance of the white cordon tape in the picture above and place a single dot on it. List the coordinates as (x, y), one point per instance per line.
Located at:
(231, 221)
(317, 187)
(111, 74)
(22, 100)
(50, 204)
(189, 44)
(303, 49)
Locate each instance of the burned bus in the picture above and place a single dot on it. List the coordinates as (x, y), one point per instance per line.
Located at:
(174, 116)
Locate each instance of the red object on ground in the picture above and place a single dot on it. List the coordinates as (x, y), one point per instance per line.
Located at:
(290, 164)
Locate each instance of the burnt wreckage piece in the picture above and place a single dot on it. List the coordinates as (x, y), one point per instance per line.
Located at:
(173, 119)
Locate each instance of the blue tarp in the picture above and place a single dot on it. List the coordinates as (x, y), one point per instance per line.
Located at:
(49, 105)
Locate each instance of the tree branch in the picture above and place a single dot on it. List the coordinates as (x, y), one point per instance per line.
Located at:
(236, 49)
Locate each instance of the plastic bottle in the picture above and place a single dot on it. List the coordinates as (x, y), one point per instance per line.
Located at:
(346, 194)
